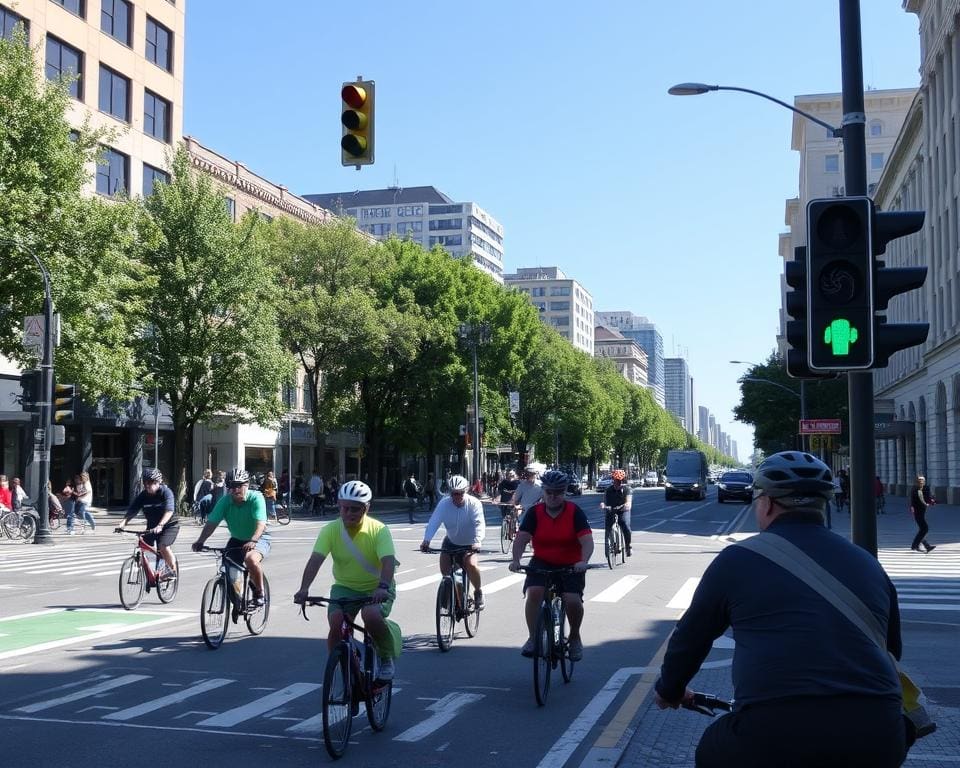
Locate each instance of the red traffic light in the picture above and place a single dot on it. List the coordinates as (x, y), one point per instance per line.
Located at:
(354, 95)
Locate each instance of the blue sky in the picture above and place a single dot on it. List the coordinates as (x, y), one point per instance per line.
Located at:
(555, 118)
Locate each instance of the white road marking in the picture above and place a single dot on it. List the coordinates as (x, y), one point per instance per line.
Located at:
(259, 706)
(314, 725)
(618, 589)
(108, 685)
(444, 710)
(164, 701)
(681, 600)
(408, 585)
(504, 583)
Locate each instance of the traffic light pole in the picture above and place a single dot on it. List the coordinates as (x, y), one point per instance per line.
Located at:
(863, 523)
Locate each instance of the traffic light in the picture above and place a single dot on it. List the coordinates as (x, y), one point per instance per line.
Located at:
(796, 306)
(30, 384)
(356, 144)
(64, 402)
(892, 281)
(840, 284)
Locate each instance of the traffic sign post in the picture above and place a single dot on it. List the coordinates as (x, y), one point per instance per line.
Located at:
(820, 427)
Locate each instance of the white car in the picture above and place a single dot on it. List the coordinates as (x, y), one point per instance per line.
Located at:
(650, 479)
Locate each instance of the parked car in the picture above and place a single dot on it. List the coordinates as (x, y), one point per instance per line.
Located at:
(735, 485)
(650, 479)
(604, 482)
(574, 487)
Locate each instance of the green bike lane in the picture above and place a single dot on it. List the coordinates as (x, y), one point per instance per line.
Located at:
(42, 630)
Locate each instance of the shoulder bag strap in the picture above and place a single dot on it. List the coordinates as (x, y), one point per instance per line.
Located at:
(357, 554)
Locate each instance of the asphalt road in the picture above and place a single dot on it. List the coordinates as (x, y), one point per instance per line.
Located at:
(82, 686)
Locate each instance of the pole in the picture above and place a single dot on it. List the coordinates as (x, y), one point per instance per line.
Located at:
(156, 427)
(863, 523)
(289, 460)
(804, 440)
(476, 414)
(43, 535)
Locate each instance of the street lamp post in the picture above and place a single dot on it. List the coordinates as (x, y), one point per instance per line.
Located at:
(475, 334)
(802, 394)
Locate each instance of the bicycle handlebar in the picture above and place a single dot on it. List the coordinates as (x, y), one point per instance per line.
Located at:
(121, 529)
(707, 704)
(456, 551)
(567, 569)
(341, 602)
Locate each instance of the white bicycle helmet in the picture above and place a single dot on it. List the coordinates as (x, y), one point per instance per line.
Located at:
(152, 475)
(237, 476)
(458, 483)
(355, 490)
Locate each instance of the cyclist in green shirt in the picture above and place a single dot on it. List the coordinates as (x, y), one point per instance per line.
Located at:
(246, 514)
(363, 565)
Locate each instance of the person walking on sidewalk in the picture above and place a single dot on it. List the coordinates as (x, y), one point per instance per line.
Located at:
(79, 496)
(920, 499)
(411, 489)
(810, 687)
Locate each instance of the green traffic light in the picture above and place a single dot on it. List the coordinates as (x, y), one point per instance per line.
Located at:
(840, 335)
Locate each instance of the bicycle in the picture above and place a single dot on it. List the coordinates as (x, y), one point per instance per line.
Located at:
(18, 524)
(230, 589)
(454, 602)
(551, 647)
(282, 514)
(707, 704)
(349, 677)
(508, 526)
(614, 547)
(137, 574)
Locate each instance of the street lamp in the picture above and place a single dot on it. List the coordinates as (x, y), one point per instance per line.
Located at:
(802, 394)
(475, 334)
(696, 89)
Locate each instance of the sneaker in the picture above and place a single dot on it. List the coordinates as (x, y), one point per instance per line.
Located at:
(931, 547)
(915, 549)
(527, 649)
(387, 670)
(259, 601)
(478, 598)
(575, 650)
(71, 533)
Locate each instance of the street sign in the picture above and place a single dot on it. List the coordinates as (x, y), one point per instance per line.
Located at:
(514, 402)
(33, 332)
(820, 426)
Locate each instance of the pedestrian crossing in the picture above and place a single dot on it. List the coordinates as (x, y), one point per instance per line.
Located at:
(924, 582)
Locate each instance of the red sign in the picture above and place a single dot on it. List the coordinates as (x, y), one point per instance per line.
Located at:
(820, 426)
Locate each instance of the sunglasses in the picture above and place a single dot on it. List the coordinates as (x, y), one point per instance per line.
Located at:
(234, 486)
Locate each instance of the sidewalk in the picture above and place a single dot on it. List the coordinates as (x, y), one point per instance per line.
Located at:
(931, 643)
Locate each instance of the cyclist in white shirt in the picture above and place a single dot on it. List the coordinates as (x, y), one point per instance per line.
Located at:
(462, 518)
(528, 490)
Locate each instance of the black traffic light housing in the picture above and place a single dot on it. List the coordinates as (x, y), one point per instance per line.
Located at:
(795, 273)
(892, 281)
(30, 385)
(64, 402)
(356, 117)
(840, 298)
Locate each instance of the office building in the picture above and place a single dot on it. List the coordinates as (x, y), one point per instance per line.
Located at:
(564, 304)
(679, 394)
(424, 215)
(646, 334)
(625, 353)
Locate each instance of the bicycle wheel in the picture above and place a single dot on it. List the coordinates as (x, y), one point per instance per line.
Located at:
(337, 720)
(213, 612)
(283, 515)
(471, 616)
(505, 535)
(28, 527)
(256, 618)
(542, 655)
(446, 618)
(132, 582)
(168, 585)
(10, 524)
(566, 663)
(608, 547)
(378, 702)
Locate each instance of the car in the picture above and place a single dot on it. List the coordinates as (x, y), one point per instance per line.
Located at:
(650, 479)
(574, 486)
(735, 485)
(604, 482)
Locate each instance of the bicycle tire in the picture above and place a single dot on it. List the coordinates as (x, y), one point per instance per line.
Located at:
(446, 618)
(213, 612)
(283, 516)
(337, 718)
(169, 585)
(608, 548)
(256, 618)
(471, 616)
(504, 535)
(566, 663)
(379, 695)
(132, 583)
(28, 527)
(542, 655)
(10, 525)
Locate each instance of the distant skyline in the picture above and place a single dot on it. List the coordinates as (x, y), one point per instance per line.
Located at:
(556, 120)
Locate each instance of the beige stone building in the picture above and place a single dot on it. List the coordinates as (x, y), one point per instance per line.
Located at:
(626, 354)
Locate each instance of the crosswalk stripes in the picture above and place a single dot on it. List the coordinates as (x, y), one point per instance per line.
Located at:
(924, 582)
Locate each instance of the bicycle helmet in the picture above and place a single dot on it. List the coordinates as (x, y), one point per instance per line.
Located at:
(796, 475)
(534, 468)
(237, 476)
(152, 475)
(554, 480)
(458, 483)
(355, 490)
(618, 474)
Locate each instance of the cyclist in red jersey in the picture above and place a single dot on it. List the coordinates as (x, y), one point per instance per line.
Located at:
(561, 538)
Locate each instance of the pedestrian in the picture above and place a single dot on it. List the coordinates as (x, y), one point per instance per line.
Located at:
(269, 491)
(6, 497)
(80, 497)
(283, 486)
(17, 495)
(315, 489)
(54, 507)
(204, 486)
(411, 489)
(219, 486)
(920, 499)
(878, 494)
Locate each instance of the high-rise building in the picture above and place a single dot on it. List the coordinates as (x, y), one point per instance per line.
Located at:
(126, 57)
(564, 304)
(703, 426)
(425, 215)
(678, 391)
(625, 353)
(646, 334)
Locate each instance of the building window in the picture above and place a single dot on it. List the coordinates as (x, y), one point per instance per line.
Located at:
(8, 20)
(559, 306)
(409, 226)
(151, 176)
(231, 206)
(74, 6)
(538, 291)
(876, 161)
(446, 224)
(65, 61)
(156, 116)
(876, 128)
(158, 48)
(114, 94)
(113, 176)
(831, 164)
(560, 290)
(115, 19)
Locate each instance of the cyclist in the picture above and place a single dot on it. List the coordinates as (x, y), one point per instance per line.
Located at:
(561, 538)
(363, 566)
(618, 498)
(163, 525)
(246, 514)
(810, 687)
(529, 490)
(462, 518)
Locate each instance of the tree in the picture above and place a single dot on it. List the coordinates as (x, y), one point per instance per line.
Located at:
(209, 338)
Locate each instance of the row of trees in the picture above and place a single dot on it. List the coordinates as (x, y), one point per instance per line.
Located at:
(169, 292)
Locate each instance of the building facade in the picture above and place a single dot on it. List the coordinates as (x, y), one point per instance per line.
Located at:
(626, 354)
(564, 304)
(646, 334)
(679, 393)
(426, 216)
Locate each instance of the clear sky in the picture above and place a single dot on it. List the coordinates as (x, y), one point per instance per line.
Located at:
(555, 118)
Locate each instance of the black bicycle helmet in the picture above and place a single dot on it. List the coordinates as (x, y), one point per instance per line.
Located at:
(237, 476)
(793, 474)
(152, 475)
(554, 479)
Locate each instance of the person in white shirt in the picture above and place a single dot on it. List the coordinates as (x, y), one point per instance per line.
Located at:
(528, 490)
(315, 489)
(462, 518)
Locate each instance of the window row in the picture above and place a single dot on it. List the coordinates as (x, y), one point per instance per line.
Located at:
(64, 61)
(113, 177)
(831, 163)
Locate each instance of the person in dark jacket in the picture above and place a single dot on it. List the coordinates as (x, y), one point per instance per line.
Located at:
(810, 687)
(920, 499)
